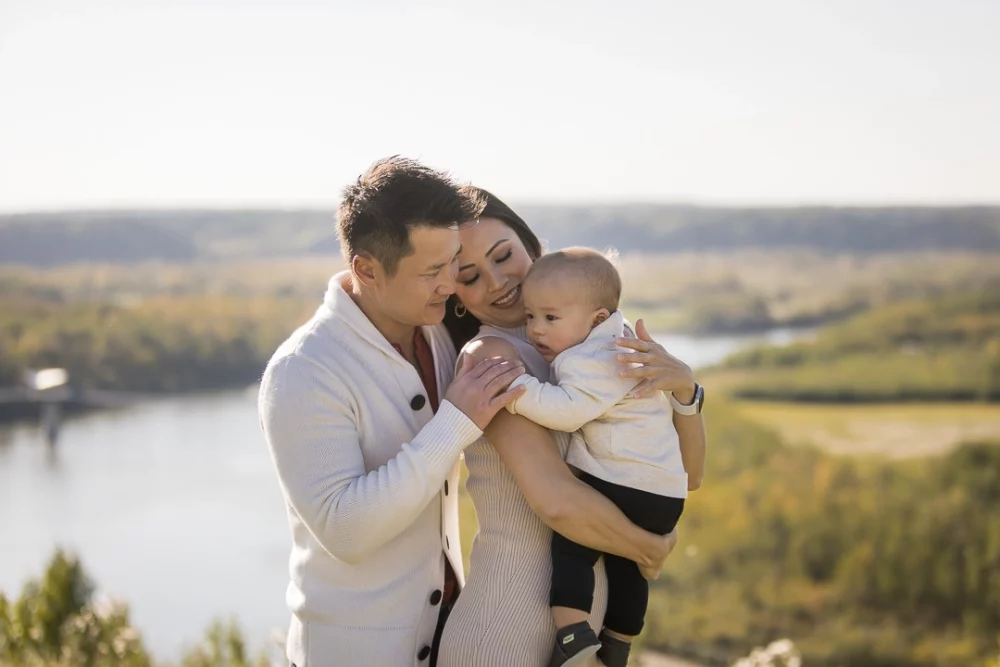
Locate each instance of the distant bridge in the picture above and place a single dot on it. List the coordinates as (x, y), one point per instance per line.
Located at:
(69, 396)
(48, 390)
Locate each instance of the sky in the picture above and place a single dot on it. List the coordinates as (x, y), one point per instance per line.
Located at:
(254, 103)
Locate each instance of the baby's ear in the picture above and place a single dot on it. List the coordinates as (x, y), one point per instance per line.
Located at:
(600, 316)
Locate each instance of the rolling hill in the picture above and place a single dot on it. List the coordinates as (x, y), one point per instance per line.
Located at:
(46, 239)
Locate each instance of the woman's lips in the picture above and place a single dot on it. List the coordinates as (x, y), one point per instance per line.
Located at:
(508, 299)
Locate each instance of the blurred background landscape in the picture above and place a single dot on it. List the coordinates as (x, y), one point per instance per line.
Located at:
(806, 198)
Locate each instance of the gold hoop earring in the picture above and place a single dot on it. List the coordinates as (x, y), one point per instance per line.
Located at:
(460, 310)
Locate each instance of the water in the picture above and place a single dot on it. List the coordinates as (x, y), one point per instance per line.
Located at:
(699, 352)
(174, 507)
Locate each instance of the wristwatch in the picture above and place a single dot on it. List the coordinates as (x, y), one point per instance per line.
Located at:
(692, 408)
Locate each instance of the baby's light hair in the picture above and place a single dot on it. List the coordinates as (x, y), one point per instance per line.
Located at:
(596, 270)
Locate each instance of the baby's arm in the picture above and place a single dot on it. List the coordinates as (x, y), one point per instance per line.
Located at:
(588, 387)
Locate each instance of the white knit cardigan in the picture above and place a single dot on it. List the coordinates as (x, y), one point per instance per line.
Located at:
(623, 440)
(370, 478)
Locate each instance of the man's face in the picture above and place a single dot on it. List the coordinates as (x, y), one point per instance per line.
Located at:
(416, 294)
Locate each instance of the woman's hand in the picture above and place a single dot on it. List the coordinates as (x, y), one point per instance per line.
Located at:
(660, 370)
(652, 571)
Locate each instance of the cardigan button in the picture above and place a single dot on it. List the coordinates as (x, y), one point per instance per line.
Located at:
(446, 487)
(435, 597)
(424, 653)
(447, 545)
(418, 402)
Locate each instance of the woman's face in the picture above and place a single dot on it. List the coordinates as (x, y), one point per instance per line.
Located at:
(491, 267)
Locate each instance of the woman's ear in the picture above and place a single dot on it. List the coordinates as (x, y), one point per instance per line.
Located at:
(600, 316)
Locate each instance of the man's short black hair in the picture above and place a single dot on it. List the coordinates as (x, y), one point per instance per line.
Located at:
(394, 195)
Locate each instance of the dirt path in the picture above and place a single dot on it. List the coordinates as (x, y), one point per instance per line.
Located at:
(654, 659)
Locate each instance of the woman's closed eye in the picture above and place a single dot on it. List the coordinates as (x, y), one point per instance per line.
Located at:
(500, 260)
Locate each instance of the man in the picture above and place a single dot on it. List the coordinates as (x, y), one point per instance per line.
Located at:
(366, 453)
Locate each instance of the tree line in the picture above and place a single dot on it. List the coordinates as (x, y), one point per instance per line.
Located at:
(48, 239)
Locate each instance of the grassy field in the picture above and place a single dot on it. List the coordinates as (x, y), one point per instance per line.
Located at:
(751, 290)
(305, 275)
(721, 292)
(939, 348)
(895, 430)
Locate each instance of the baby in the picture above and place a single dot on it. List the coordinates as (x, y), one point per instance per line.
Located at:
(625, 447)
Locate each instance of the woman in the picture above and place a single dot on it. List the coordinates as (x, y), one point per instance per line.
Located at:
(518, 481)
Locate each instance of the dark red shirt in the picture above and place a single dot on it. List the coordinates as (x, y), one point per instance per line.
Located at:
(428, 376)
(425, 366)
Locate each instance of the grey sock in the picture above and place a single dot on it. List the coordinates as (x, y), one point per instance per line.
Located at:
(614, 651)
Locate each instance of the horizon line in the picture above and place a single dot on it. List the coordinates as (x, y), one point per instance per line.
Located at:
(535, 203)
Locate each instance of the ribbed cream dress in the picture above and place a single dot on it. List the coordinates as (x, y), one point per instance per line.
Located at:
(502, 616)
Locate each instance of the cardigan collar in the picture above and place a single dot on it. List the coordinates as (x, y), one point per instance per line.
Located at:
(339, 303)
(608, 330)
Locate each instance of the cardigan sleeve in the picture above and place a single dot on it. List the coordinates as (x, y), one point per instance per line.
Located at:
(310, 427)
(589, 385)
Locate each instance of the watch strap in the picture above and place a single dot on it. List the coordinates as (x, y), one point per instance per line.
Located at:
(688, 410)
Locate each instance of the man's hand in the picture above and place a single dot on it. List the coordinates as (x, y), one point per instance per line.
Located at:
(652, 571)
(480, 391)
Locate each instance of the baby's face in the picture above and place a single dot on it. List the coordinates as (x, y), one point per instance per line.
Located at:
(559, 315)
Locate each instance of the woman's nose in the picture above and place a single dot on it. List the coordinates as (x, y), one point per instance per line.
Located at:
(494, 278)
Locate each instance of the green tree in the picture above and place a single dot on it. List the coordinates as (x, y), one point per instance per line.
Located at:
(223, 646)
(55, 623)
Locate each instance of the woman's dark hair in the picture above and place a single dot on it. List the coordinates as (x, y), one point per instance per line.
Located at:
(463, 329)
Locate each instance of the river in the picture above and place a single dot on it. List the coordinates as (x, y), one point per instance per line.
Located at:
(173, 507)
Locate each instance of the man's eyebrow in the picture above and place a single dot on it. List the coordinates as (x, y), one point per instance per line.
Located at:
(440, 266)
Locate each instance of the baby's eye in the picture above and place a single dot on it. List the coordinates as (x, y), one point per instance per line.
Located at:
(551, 318)
(530, 316)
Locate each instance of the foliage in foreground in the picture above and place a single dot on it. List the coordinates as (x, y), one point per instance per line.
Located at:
(57, 623)
(864, 563)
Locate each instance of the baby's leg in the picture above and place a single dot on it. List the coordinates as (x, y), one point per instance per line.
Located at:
(628, 590)
(571, 598)
(572, 593)
(628, 596)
